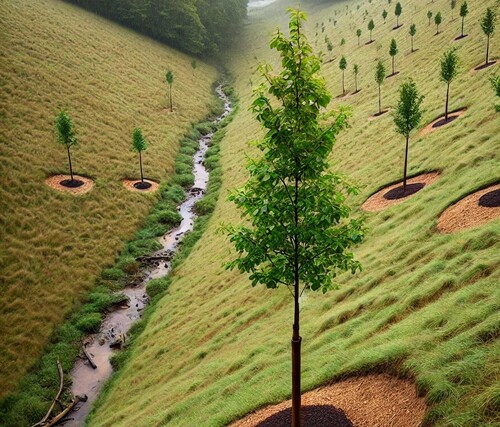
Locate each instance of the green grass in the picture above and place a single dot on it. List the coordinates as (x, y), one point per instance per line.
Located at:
(424, 307)
(53, 246)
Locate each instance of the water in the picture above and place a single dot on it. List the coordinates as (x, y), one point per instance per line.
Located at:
(258, 4)
(88, 381)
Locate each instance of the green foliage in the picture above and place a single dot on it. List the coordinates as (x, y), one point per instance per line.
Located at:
(398, 10)
(89, 323)
(169, 77)
(393, 49)
(380, 73)
(429, 16)
(384, 15)
(495, 83)
(342, 42)
(356, 69)
(464, 11)
(413, 30)
(296, 209)
(371, 25)
(408, 113)
(65, 132)
(488, 22)
(139, 143)
(358, 32)
(449, 62)
(437, 20)
(343, 63)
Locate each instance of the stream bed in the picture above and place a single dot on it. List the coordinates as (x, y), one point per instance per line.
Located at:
(88, 381)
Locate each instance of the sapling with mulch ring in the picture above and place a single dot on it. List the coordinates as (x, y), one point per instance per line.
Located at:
(379, 78)
(393, 51)
(356, 72)
(429, 16)
(407, 116)
(437, 20)
(297, 232)
(371, 26)
(464, 11)
(66, 136)
(412, 32)
(139, 144)
(343, 66)
(397, 12)
(488, 27)
(449, 65)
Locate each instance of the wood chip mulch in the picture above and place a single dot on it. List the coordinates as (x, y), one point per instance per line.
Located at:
(476, 209)
(129, 184)
(371, 401)
(55, 182)
(440, 121)
(377, 115)
(382, 199)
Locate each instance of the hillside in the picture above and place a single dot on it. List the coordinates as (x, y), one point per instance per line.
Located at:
(109, 79)
(425, 305)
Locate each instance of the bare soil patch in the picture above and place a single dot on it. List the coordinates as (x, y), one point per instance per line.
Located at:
(484, 65)
(147, 186)
(440, 121)
(476, 209)
(79, 185)
(377, 115)
(371, 401)
(394, 194)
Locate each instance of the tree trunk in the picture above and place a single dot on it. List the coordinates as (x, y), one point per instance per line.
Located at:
(397, 21)
(70, 165)
(140, 163)
(406, 163)
(393, 64)
(296, 339)
(446, 106)
(358, 41)
(343, 87)
(487, 49)
(463, 17)
(370, 35)
(356, 83)
(379, 101)
(170, 97)
(411, 44)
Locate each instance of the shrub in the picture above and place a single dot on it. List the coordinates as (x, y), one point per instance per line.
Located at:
(89, 323)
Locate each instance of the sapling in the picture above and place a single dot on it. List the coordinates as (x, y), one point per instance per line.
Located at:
(343, 66)
(296, 229)
(437, 20)
(449, 62)
(371, 26)
(379, 78)
(495, 83)
(429, 16)
(384, 15)
(397, 12)
(464, 11)
(393, 51)
(407, 116)
(453, 4)
(356, 72)
(66, 136)
(139, 144)
(488, 26)
(169, 77)
(412, 32)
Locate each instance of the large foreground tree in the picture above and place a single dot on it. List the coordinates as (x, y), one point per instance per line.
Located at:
(297, 231)
(407, 116)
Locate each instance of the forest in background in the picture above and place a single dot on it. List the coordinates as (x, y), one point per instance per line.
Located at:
(198, 27)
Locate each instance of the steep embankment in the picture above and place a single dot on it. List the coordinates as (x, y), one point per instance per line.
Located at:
(425, 305)
(109, 79)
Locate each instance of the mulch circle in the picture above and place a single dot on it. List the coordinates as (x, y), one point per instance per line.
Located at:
(460, 37)
(484, 65)
(311, 416)
(377, 115)
(476, 209)
(137, 185)
(394, 194)
(440, 121)
(370, 401)
(79, 184)
(392, 75)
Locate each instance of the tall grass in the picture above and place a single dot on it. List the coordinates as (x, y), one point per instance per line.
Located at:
(109, 79)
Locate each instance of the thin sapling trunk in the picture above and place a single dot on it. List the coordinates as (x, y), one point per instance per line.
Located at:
(70, 165)
(140, 164)
(446, 106)
(406, 163)
(379, 101)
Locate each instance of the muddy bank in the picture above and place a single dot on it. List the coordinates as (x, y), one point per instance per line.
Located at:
(88, 380)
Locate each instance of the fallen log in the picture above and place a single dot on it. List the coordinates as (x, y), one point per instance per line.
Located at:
(56, 399)
(66, 411)
(89, 357)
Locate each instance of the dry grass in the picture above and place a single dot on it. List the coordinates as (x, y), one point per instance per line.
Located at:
(109, 79)
(426, 304)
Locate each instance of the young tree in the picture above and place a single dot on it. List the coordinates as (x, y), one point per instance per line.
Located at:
(169, 77)
(397, 12)
(464, 11)
(356, 72)
(453, 4)
(384, 15)
(495, 83)
(139, 144)
(358, 33)
(329, 46)
(371, 26)
(66, 136)
(437, 20)
(429, 16)
(343, 66)
(298, 233)
(488, 26)
(449, 62)
(393, 51)
(342, 42)
(379, 78)
(412, 32)
(407, 116)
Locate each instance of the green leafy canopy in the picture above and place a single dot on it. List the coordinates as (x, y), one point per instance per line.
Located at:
(298, 226)
(449, 62)
(408, 113)
(488, 22)
(380, 73)
(169, 77)
(139, 143)
(65, 132)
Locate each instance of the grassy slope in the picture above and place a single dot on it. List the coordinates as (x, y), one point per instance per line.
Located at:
(109, 79)
(426, 305)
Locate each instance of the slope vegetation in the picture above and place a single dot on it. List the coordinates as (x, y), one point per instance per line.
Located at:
(109, 79)
(426, 305)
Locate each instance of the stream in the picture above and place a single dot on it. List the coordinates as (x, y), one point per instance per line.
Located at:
(112, 334)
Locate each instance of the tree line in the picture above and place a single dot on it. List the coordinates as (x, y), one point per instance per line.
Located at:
(198, 27)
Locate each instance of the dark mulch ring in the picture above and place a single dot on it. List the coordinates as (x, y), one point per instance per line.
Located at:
(399, 26)
(376, 115)
(142, 185)
(460, 37)
(369, 42)
(399, 193)
(71, 183)
(311, 416)
(443, 122)
(490, 200)
(392, 75)
(483, 66)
